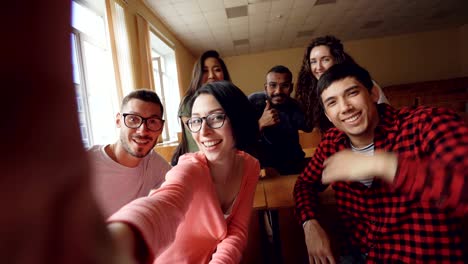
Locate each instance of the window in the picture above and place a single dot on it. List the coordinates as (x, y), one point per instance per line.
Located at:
(93, 76)
(167, 85)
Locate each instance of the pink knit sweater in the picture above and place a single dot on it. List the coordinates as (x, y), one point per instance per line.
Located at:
(182, 222)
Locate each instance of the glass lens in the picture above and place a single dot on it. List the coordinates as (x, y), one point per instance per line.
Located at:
(154, 123)
(133, 121)
(194, 123)
(215, 120)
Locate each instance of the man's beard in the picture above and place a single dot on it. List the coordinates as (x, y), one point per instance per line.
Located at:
(282, 96)
(126, 146)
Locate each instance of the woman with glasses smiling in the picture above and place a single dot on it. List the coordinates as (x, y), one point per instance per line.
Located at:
(208, 68)
(201, 213)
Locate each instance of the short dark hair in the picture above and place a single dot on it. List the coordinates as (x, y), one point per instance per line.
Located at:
(144, 95)
(239, 110)
(281, 69)
(339, 72)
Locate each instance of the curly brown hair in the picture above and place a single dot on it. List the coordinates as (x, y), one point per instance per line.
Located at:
(306, 87)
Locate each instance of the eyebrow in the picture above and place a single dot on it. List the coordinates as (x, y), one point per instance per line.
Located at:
(286, 82)
(214, 111)
(136, 113)
(326, 56)
(352, 87)
(214, 66)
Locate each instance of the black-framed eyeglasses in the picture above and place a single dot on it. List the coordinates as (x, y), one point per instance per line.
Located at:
(134, 121)
(212, 120)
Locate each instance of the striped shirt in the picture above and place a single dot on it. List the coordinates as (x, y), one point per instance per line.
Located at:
(367, 151)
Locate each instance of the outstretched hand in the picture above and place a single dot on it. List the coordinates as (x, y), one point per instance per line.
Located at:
(127, 244)
(269, 117)
(347, 165)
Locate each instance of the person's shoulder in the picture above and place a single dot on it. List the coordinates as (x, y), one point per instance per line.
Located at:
(95, 148)
(158, 161)
(425, 112)
(249, 160)
(257, 96)
(331, 137)
(192, 161)
(293, 104)
(96, 151)
(251, 168)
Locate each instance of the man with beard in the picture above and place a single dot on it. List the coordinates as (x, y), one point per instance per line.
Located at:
(130, 168)
(279, 119)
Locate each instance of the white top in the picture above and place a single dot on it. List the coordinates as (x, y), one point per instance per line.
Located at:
(367, 151)
(115, 185)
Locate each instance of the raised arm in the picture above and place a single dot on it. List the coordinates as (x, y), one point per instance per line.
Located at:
(441, 176)
(154, 219)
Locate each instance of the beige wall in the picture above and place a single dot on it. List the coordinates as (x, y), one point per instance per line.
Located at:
(248, 71)
(391, 60)
(184, 58)
(410, 58)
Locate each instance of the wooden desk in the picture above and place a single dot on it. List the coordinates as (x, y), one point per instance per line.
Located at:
(259, 202)
(279, 192)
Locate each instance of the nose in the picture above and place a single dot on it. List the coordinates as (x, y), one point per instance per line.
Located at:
(142, 128)
(320, 66)
(211, 74)
(205, 129)
(345, 106)
(277, 89)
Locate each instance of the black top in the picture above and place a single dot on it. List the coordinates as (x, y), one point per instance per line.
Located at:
(279, 144)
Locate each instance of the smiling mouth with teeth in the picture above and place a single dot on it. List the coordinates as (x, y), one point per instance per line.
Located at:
(211, 143)
(352, 118)
(139, 141)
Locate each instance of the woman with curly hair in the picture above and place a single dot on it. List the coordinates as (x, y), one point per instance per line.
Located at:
(322, 53)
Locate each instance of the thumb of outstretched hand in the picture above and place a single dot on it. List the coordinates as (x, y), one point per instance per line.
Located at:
(267, 106)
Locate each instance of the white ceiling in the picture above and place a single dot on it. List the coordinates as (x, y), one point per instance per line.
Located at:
(281, 24)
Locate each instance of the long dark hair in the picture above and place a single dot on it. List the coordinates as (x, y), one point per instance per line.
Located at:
(197, 75)
(238, 109)
(195, 84)
(306, 88)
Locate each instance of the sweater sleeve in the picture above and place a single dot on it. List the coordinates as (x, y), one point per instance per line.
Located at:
(230, 249)
(440, 176)
(157, 217)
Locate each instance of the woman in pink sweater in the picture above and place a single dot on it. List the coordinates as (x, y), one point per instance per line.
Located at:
(201, 213)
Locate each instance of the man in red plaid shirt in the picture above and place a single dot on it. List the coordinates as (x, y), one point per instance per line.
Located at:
(400, 177)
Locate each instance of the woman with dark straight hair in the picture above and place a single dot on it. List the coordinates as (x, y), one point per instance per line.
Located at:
(201, 212)
(208, 68)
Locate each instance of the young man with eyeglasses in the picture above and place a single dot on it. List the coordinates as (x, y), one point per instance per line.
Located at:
(130, 168)
(279, 118)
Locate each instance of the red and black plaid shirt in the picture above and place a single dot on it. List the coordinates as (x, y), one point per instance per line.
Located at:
(417, 219)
